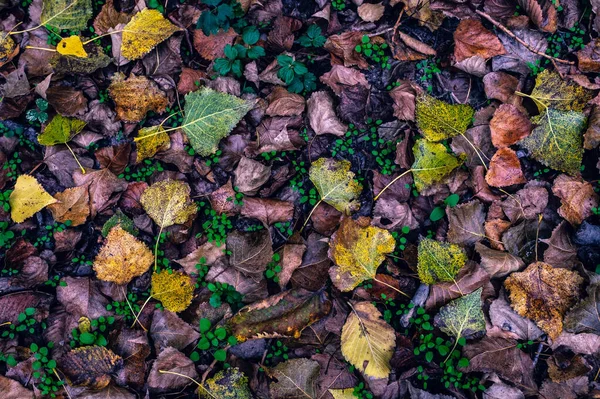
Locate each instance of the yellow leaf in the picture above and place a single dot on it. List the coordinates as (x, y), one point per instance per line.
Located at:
(8, 48)
(158, 140)
(27, 198)
(73, 204)
(335, 183)
(122, 257)
(347, 393)
(168, 202)
(174, 290)
(439, 261)
(357, 249)
(135, 96)
(71, 45)
(366, 338)
(146, 29)
(60, 130)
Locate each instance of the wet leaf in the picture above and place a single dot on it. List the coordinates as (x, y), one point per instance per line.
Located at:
(432, 163)
(146, 30)
(357, 249)
(60, 130)
(296, 378)
(168, 202)
(122, 257)
(368, 342)
(438, 120)
(66, 14)
(463, 317)
(335, 183)
(544, 294)
(90, 366)
(439, 261)
(173, 289)
(135, 96)
(158, 140)
(28, 198)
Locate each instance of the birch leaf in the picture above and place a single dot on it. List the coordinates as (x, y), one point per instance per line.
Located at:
(60, 130)
(347, 393)
(168, 202)
(211, 116)
(432, 163)
(335, 183)
(439, 120)
(551, 91)
(462, 317)
(367, 338)
(439, 261)
(28, 198)
(230, 383)
(557, 141)
(296, 378)
(357, 252)
(71, 45)
(146, 30)
(66, 14)
(174, 290)
(151, 140)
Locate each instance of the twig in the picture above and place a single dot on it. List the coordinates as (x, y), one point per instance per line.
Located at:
(537, 353)
(509, 33)
(212, 365)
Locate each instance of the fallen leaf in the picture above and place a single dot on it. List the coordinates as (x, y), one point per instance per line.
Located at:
(14, 390)
(296, 378)
(367, 338)
(60, 130)
(543, 15)
(157, 140)
(357, 249)
(73, 205)
(173, 289)
(342, 47)
(8, 48)
(463, 317)
(168, 202)
(526, 203)
(505, 169)
(340, 76)
(370, 12)
(573, 388)
(145, 31)
(27, 198)
(173, 361)
(211, 47)
(66, 14)
(250, 252)
(227, 383)
(71, 45)
(122, 257)
(284, 103)
(404, 96)
(509, 126)
(438, 120)
(498, 263)
(551, 91)
(466, 223)
(101, 186)
(335, 183)
(439, 261)
(561, 251)
(135, 96)
(291, 259)
(268, 211)
(90, 366)
(500, 86)
(544, 294)
(347, 393)
(472, 39)
(504, 317)
(577, 198)
(66, 100)
(583, 317)
(589, 57)
(432, 163)
(250, 175)
(109, 17)
(321, 115)
(470, 278)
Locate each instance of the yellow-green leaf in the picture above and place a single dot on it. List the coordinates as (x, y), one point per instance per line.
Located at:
(462, 317)
(151, 140)
(66, 14)
(368, 342)
(8, 48)
(557, 141)
(146, 30)
(28, 198)
(551, 91)
(439, 120)
(71, 45)
(347, 393)
(357, 249)
(60, 130)
(173, 289)
(335, 183)
(210, 116)
(229, 383)
(168, 202)
(432, 163)
(439, 261)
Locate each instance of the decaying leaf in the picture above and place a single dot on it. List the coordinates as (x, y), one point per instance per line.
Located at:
(577, 198)
(296, 378)
(335, 183)
(90, 366)
(230, 383)
(321, 115)
(544, 294)
(145, 31)
(357, 249)
(472, 39)
(28, 198)
(8, 48)
(505, 169)
(439, 120)
(584, 317)
(498, 263)
(168, 202)
(281, 315)
(439, 261)
(508, 126)
(250, 252)
(122, 257)
(135, 96)
(551, 91)
(561, 250)
(173, 289)
(210, 116)
(158, 140)
(66, 14)
(432, 163)
(60, 130)
(368, 342)
(463, 317)
(72, 204)
(347, 393)
(466, 223)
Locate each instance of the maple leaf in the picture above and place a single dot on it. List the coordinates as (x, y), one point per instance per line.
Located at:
(71, 45)
(135, 96)
(335, 183)
(557, 140)
(122, 257)
(357, 249)
(439, 261)
(296, 378)
(367, 338)
(66, 14)
(158, 140)
(145, 31)
(432, 163)
(543, 294)
(551, 91)
(73, 205)
(174, 289)
(168, 202)
(60, 130)
(28, 198)
(439, 120)
(462, 317)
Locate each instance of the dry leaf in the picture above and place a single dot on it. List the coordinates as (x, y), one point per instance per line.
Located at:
(90, 366)
(284, 103)
(173, 289)
(340, 77)
(28, 198)
(211, 47)
(73, 205)
(321, 115)
(168, 202)
(505, 169)
(577, 198)
(509, 126)
(498, 263)
(472, 39)
(135, 96)
(342, 47)
(158, 140)
(370, 12)
(466, 223)
(145, 31)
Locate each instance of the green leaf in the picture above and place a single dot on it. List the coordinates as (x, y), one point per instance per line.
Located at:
(204, 325)
(66, 14)
(220, 355)
(119, 219)
(87, 338)
(439, 120)
(60, 130)
(335, 183)
(211, 116)
(432, 163)
(437, 213)
(251, 35)
(462, 317)
(439, 261)
(557, 141)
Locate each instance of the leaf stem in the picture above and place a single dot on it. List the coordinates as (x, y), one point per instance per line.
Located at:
(156, 249)
(392, 182)
(310, 214)
(76, 160)
(189, 378)
(140, 312)
(390, 286)
(41, 48)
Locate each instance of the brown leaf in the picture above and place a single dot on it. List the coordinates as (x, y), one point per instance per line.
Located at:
(476, 144)
(135, 96)
(11, 389)
(133, 346)
(470, 278)
(591, 138)
(342, 47)
(188, 79)
(321, 115)
(284, 103)
(66, 100)
(561, 251)
(577, 198)
(174, 361)
(250, 252)
(511, 324)
(313, 272)
(574, 388)
(279, 134)
(471, 38)
(73, 205)
(268, 210)
(109, 17)
(101, 185)
(82, 297)
(13, 304)
(505, 169)
(589, 58)
(168, 330)
(544, 294)
(250, 175)
(527, 203)
(340, 76)
(371, 12)
(281, 36)
(411, 49)
(291, 259)
(32, 272)
(390, 214)
(500, 86)
(90, 366)
(498, 263)
(542, 13)
(211, 47)
(509, 126)
(115, 158)
(466, 223)
(404, 96)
